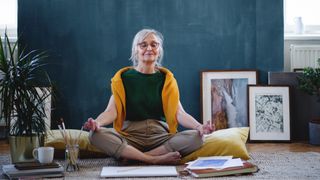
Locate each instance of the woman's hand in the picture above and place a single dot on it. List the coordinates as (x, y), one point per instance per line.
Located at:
(91, 125)
(206, 128)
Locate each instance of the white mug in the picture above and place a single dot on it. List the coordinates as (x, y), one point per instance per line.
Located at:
(43, 154)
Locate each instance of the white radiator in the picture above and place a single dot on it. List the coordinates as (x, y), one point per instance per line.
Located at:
(47, 107)
(304, 56)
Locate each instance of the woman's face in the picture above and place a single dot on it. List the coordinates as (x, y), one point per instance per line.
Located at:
(148, 50)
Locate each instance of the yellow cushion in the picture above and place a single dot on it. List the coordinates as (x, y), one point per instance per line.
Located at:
(225, 142)
(55, 139)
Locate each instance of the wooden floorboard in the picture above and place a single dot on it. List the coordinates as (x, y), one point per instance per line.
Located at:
(4, 147)
(278, 147)
(252, 147)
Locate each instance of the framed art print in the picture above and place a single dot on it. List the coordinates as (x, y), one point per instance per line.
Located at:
(224, 97)
(269, 113)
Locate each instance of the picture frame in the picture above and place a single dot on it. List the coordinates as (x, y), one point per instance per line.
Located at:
(224, 97)
(269, 113)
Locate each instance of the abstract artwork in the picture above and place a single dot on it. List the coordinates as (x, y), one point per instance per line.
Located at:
(224, 97)
(269, 113)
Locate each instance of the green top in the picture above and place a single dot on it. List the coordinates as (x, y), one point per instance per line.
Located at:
(143, 95)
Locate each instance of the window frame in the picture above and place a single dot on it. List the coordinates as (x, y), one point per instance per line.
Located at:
(289, 29)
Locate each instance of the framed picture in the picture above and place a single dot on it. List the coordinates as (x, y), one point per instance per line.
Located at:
(269, 113)
(224, 97)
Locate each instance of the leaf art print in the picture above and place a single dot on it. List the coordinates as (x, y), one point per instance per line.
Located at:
(269, 113)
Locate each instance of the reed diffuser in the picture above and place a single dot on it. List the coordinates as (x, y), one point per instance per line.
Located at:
(72, 148)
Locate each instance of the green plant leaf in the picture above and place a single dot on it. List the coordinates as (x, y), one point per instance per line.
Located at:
(23, 102)
(309, 81)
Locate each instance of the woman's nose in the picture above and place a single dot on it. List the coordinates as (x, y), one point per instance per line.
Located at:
(149, 47)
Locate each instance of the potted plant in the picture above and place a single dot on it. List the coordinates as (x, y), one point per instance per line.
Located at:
(23, 98)
(309, 82)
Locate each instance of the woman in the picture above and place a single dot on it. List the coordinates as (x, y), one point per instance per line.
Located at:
(145, 110)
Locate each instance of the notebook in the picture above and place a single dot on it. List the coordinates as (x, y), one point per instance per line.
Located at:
(245, 169)
(138, 171)
(35, 165)
(12, 172)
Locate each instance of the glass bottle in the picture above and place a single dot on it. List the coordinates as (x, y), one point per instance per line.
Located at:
(299, 29)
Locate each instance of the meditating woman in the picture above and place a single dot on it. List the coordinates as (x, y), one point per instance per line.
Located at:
(145, 110)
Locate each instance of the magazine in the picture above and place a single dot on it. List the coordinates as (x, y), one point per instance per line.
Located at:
(219, 166)
(214, 162)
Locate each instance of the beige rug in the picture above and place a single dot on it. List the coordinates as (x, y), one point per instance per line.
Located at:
(282, 165)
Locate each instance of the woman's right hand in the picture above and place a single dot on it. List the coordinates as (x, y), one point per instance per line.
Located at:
(91, 125)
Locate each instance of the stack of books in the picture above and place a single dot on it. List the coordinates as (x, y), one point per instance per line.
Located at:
(220, 166)
(32, 170)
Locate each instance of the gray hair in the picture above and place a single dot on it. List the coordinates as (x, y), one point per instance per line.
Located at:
(138, 38)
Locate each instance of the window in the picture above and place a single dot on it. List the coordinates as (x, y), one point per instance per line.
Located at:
(305, 10)
(8, 20)
(8, 17)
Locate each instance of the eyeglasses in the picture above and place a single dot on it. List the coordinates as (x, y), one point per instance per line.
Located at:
(143, 45)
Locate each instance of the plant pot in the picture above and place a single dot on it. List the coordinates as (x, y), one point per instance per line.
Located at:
(314, 132)
(21, 147)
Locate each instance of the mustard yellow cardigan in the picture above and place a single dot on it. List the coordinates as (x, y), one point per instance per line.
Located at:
(170, 99)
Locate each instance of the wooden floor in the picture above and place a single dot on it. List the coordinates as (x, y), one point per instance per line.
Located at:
(4, 147)
(278, 147)
(252, 147)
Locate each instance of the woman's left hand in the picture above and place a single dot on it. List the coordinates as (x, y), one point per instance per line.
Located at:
(206, 128)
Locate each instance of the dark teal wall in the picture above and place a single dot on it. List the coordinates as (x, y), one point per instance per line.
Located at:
(89, 40)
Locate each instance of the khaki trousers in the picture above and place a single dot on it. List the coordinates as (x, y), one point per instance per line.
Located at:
(145, 135)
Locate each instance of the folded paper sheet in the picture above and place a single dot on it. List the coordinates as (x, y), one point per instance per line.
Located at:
(138, 171)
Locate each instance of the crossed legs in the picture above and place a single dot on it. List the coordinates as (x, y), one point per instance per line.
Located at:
(169, 152)
(114, 145)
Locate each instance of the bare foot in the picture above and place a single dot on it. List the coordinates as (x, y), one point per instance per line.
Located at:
(169, 158)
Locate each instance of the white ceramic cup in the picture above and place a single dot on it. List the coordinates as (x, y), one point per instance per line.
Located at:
(43, 154)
